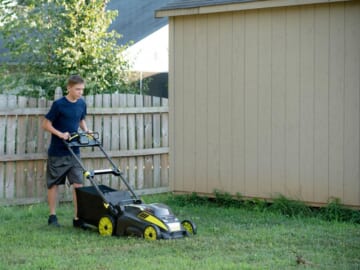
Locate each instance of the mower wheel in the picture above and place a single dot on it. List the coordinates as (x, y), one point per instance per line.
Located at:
(189, 226)
(151, 232)
(106, 226)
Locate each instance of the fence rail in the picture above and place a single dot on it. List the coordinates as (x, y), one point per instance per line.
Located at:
(133, 130)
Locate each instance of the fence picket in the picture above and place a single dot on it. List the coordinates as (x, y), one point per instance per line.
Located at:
(156, 143)
(12, 101)
(131, 137)
(106, 137)
(31, 183)
(97, 163)
(42, 146)
(140, 142)
(41, 141)
(88, 163)
(115, 136)
(164, 143)
(148, 170)
(2, 152)
(3, 102)
(20, 149)
(10, 149)
(123, 136)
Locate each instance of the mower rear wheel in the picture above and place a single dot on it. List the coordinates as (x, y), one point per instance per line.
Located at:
(106, 226)
(189, 226)
(151, 232)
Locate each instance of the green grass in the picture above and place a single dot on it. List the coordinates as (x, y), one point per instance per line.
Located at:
(229, 237)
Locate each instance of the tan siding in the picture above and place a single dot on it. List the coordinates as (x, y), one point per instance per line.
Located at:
(225, 102)
(201, 109)
(336, 102)
(251, 103)
(264, 104)
(321, 111)
(171, 96)
(292, 128)
(238, 104)
(267, 102)
(213, 121)
(189, 104)
(352, 107)
(278, 96)
(307, 103)
(178, 120)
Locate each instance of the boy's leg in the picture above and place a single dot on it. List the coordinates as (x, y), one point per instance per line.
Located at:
(77, 222)
(75, 186)
(52, 199)
(75, 177)
(55, 175)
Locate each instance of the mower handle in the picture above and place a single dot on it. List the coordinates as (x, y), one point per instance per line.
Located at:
(87, 139)
(75, 140)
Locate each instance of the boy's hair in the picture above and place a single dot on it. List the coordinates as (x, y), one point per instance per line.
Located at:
(75, 79)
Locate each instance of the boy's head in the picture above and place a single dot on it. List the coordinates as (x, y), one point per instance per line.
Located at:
(75, 79)
(75, 87)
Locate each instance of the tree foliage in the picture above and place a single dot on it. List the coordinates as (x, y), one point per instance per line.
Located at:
(47, 40)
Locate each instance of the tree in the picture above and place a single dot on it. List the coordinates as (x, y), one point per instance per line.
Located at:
(50, 39)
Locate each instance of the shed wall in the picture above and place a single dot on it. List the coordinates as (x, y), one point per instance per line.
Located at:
(266, 102)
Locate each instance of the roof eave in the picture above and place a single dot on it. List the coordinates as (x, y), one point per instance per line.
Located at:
(237, 7)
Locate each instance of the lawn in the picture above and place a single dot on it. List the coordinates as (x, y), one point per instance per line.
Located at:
(228, 238)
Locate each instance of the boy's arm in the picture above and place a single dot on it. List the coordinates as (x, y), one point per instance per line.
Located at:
(47, 125)
(83, 125)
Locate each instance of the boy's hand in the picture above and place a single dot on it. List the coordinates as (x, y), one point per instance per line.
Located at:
(64, 135)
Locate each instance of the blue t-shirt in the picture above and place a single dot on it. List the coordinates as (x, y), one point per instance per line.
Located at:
(65, 116)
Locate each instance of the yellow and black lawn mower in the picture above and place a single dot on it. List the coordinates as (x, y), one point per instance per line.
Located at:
(122, 212)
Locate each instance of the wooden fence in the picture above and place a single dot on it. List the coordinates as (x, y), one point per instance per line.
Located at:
(132, 128)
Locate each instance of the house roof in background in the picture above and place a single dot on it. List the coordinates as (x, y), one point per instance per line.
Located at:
(136, 18)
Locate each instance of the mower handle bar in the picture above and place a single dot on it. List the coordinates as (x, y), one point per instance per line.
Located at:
(90, 175)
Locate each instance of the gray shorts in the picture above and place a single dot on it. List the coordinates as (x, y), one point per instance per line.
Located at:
(58, 168)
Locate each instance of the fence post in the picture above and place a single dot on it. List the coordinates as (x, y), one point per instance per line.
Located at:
(58, 93)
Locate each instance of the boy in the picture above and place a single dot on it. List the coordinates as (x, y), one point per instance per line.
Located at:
(65, 116)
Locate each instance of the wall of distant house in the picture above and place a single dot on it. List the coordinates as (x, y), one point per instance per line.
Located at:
(151, 53)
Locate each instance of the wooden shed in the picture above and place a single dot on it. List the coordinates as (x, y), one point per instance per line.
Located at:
(264, 98)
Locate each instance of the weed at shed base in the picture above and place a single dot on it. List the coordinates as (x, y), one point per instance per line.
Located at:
(333, 211)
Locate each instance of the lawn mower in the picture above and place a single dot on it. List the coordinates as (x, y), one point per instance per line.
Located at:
(121, 212)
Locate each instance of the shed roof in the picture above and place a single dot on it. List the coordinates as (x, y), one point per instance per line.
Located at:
(193, 7)
(197, 3)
